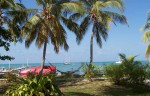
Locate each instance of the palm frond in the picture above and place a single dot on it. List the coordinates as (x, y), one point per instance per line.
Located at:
(147, 53)
(75, 16)
(116, 17)
(41, 2)
(71, 25)
(83, 28)
(101, 31)
(59, 34)
(109, 4)
(148, 19)
(42, 36)
(29, 30)
(146, 26)
(73, 7)
(88, 3)
(98, 37)
(19, 6)
(7, 4)
(56, 10)
(131, 58)
(20, 16)
(123, 57)
(146, 36)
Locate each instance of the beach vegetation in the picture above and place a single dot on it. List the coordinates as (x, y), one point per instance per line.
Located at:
(31, 75)
(128, 71)
(37, 86)
(97, 16)
(45, 26)
(90, 70)
(10, 77)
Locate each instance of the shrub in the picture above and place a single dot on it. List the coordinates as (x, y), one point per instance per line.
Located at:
(31, 75)
(114, 72)
(10, 76)
(38, 86)
(129, 71)
(148, 72)
(90, 70)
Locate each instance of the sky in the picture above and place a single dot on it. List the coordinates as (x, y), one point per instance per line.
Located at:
(122, 39)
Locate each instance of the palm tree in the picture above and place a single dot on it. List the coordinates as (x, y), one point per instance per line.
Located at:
(45, 26)
(146, 35)
(99, 15)
(12, 16)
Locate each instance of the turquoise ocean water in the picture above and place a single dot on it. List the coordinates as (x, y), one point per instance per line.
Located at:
(59, 66)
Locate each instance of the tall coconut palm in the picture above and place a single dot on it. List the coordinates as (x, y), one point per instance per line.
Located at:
(12, 15)
(100, 14)
(46, 27)
(146, 35)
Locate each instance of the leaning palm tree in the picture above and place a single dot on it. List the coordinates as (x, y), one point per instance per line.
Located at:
(99, 14)
(12, 16)
(46, 27)
(146, 35)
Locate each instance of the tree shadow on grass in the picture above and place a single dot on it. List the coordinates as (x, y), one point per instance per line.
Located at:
(76, 94)
(125, 91)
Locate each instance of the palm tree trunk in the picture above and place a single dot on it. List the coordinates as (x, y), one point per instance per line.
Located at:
(91, 48)
(43, 60)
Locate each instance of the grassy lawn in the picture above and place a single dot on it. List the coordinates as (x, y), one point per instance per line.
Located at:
(102, 88)
(95, 88)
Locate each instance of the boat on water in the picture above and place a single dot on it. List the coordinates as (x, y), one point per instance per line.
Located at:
(67, 62)
(36, 70)
(118, 62)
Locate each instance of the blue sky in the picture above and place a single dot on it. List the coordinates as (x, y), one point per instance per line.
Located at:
(122, 39)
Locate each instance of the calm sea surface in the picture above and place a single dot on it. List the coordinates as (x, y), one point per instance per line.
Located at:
(59, 66)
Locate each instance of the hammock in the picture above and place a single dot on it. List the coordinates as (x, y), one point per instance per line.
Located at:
(67, 72)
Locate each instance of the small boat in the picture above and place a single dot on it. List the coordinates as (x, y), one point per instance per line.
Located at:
(36, 70)
(118, 62)
(67, 62)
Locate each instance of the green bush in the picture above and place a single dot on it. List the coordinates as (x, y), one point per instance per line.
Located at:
(31, 75)
(90, 70)
(114, 72)
(38, 86)
(10, 76)
(129, 71)
(148, 72)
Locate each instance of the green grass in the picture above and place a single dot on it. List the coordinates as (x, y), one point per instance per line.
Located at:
(102, 88)
(95, 88)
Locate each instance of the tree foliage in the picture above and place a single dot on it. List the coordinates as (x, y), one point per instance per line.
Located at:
(43, 86)
(12, 16)
(45, 27)
(90, 70)
(146, 35)
(128, 72)
(99, 14)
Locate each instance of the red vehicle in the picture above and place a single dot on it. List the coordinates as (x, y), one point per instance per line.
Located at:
(36, 70)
